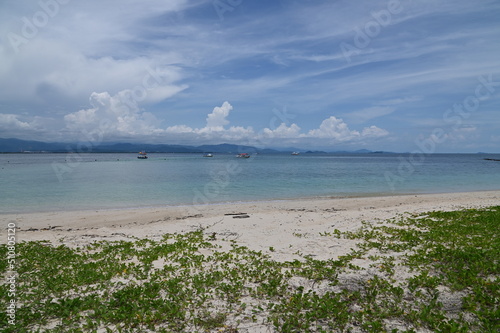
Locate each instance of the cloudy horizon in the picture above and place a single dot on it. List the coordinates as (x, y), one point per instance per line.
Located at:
(389, 75)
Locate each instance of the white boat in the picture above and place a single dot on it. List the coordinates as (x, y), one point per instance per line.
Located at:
(243, 155)
(295, 153)
(142, 155)
(208, 155)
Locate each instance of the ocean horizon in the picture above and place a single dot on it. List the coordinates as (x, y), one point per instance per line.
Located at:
(57, 182)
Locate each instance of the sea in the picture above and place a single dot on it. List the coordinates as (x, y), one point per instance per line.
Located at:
(41, 182)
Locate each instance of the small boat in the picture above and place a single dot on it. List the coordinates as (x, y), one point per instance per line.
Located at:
(295, 153)
(142, 155)
(243, 155)
(208, 155)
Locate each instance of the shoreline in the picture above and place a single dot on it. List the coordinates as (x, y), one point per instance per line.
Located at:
(241, 202)
(260, 225)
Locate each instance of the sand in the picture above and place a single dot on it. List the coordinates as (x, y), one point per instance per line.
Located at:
(285, 230)
(287, 226)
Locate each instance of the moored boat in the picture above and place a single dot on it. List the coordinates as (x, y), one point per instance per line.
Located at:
(243, 155)
(142, 155)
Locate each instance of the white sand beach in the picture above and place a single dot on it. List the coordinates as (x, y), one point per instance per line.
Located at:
(285, 225)
(284, 230)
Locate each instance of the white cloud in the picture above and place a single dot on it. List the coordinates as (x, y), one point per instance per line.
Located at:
(217, 119)
(336, 130)
(333, 128)
(112, 116)
(234, 133)
(214, 131)
(374, 132)
(53, 66)
(11, 121)
(28, 127)
(119, 117)
(115, 117)
(177, 129)
(282, 131)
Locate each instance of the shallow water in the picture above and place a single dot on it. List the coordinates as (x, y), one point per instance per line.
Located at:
(46, 182)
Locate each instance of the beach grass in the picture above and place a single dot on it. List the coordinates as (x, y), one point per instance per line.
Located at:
(436, 272)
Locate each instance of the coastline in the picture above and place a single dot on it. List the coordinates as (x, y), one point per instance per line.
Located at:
(264, 224)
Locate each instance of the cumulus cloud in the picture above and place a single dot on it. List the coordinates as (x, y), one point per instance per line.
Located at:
(28, 127)
(114, 116)
(214, 129)
(10, 121)
(217, 119)
(119, 117)
(282, 131)
(374, 132)
(178, 129)
(333, 128)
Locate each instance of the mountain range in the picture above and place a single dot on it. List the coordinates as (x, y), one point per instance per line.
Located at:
(19, 146)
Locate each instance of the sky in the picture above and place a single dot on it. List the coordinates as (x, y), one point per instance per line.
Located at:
(394, 75)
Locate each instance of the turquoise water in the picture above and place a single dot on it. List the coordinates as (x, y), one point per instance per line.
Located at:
(47, 182)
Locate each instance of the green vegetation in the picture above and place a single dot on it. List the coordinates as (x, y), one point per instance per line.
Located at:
(439, 272)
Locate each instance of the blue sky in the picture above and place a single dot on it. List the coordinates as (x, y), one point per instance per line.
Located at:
(383, 75)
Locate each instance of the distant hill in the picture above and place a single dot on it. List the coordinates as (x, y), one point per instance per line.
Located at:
(18, 146)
